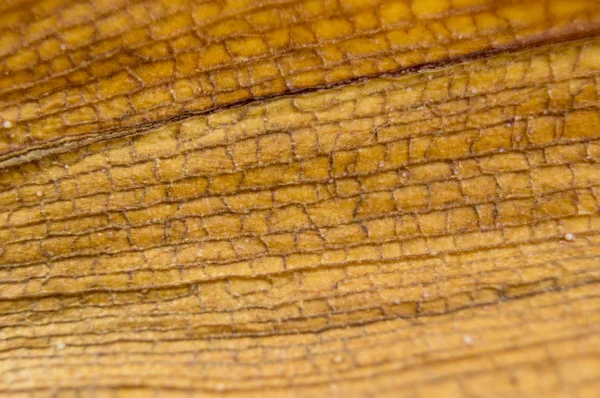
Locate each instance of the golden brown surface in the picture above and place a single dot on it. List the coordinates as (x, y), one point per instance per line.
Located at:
(74, 70)
(431, 233)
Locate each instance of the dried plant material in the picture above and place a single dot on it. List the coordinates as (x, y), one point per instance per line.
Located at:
(187, 210)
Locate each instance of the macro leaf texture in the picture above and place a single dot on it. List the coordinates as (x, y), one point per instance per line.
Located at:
(346, 198)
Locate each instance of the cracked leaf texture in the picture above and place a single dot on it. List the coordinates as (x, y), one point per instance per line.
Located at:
(299, 198)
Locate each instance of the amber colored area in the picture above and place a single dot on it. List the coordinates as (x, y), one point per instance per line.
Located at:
(92, 70)
(432, 232)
